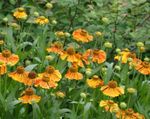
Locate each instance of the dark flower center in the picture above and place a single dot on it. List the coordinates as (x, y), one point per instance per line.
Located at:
(45, 78)
(73, 69)
(50, 69)
(20, 69)
(6, 53)
(29, 91)
(32, 75)
(71, 51)
(112, 84)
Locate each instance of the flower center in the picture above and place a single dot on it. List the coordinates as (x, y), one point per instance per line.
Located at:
(32, 75)
(45, 78)
(112, 84)
(131, 55)
(6, 53)
(71, 51)
(20, 69)
(95, 52)
(83, 33)
(73, 69)
(110, 102)
(50, 69)
(146, 64)
(29, 92)
(58, 45)
(129, 111)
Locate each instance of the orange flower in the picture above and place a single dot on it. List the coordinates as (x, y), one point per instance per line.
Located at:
(124, 55)
(19, 75)
(70, 55)
(79, 62)
(41, 20)
(128, 114)
(3, 69)
(53, 74)
(8, 58)
(20, 13)
(55, 48)
(45, 82)
(29, 96)
(73, 73)
(98, 56)
(112, 90)
(95, 82)
(109, 105)
(143, 67)
(82, 35)
(30, 79)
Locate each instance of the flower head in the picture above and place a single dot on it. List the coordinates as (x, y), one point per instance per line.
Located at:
(41, 20)
(82, 35)
(3, 68)
(112, 89)
(29, 97)
(20, 13)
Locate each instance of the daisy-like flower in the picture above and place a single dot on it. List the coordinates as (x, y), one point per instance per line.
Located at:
(19, 75)
(53, 74)
(56, 47)
(112, 89)
(28, 97)
(95, 82)
(41, 20)
(20, 13)
(128, 114)
(8, 58)
(70, 55)
(73, 73)
(109, 105)
(125, 55)
(45, 82)
(60, 94)
(98, 56)
(60, 34)
(3, 68)
(143, 67)
(30, 79)
(82, 35)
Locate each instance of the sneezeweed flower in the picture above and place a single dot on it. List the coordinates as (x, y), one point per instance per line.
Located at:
(19, 75)
(95, 82)
(82, 35)
(56, 47)
(60, 34)
(8, 58)
(3, 68)
(44, 81)
(60, 94)
(73, 74)
(128, 114)
(28, 97)
(20, 13)
(41, 20)
(143, 67)
(109, 105)
(30, 79)
(53, 74)
(124, 55)
(112, 90)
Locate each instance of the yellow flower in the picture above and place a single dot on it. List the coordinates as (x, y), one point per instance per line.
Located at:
(112, 89)
(29, 96)
(109, 105)
(3, 69)
(41, 20)
(1, 42)
(95, 82)
(60, 94)
(20, 13)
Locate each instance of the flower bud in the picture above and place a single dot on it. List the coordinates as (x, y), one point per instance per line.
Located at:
(60, 94)
(88, 71)
(140, 44)
(130, 59)
(146, 59)
(108, 45)
(117, 67)
(1, 42)
(83, 95)
(54, 22)
(98, 34)
(142, 49)
(67, 34)
(27, 62)
(105, 20)
(123, 105)
(36, 14)
(5, 19)
(49, 5)
(131, 90)
(118, 50)
(49, 57)
(104, 69)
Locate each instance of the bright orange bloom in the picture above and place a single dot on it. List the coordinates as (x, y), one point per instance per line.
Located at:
(53, 74)
(29, 96)
(70, 55)
(128, 114)
(109, 105)
(95, 82)
(112, 89)
(56, 48)
(20, 13)
(41, 20)
(45, 82)
(143, 67)
(3, 69)
(30, 79)
(73, 73)
(124, 55)
(82, 35)
(79, 62)
(19, 75)
(8, 58)
(98, 56)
